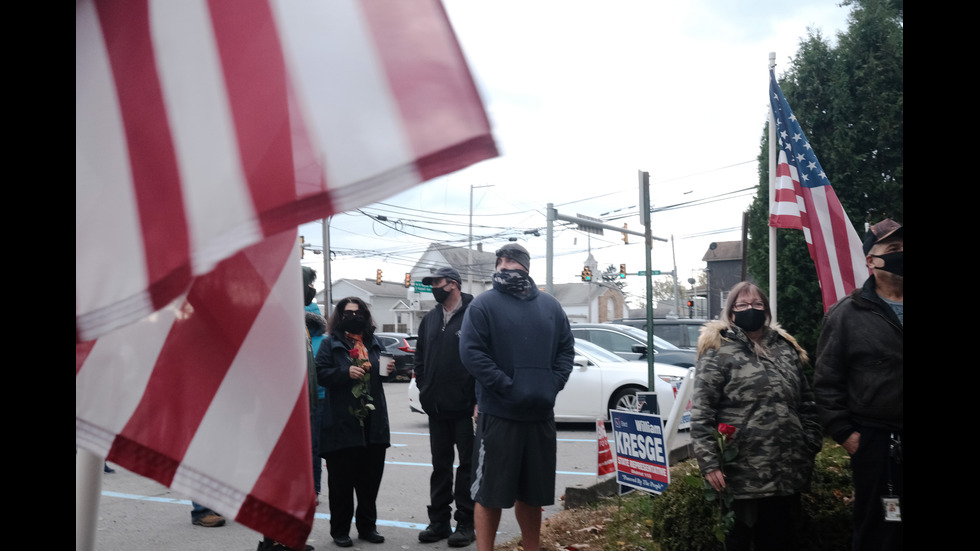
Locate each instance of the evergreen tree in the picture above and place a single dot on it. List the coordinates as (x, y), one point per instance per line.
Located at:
(848, 99)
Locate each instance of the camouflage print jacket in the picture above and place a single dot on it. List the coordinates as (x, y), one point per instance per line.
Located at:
(763, 393)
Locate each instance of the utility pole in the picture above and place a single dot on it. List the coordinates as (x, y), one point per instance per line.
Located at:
(328, 283)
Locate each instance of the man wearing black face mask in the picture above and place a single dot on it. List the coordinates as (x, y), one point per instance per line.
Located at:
(447, 396)
(858, 386)
(518, 345)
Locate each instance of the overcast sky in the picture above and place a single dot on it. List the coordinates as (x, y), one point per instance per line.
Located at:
(581, 96)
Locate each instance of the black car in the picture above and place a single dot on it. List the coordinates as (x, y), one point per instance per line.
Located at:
(630, 343)
(681, 332)
(402, 347)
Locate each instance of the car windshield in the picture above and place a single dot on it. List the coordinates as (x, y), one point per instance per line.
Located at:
(595, 352)
(658, 343)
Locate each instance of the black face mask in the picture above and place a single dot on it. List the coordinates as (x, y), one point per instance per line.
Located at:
(440, 294)
(353, 325)
(750, 320)
(893, 263)
(309, 293)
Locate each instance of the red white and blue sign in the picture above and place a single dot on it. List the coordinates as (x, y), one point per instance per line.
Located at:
(641, 452)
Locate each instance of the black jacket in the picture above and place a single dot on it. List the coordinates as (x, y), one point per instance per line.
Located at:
(446, 389)
(339, 428)
(859, 368)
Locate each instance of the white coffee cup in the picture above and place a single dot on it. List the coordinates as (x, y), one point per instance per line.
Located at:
(387, 364)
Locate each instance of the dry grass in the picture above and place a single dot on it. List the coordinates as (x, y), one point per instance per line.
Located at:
(571, 530)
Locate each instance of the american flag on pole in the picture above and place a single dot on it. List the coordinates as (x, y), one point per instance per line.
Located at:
(206, 131)
(805, 200)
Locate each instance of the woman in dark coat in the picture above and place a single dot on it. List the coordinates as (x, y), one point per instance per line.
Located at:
(354, 432)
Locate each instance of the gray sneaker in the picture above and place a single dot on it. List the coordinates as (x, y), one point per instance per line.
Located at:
(435, 532)
(463, 536)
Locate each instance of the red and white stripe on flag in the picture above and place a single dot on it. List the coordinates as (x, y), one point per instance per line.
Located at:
(209, 394)
(832, 241)
(204, 126)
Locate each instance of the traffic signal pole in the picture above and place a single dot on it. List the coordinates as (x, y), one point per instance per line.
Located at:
(648, 238)
(648, 243)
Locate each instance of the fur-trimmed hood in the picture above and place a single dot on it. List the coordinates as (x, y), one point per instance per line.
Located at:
(713, 332)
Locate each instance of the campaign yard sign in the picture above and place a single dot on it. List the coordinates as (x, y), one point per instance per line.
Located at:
(641, 453)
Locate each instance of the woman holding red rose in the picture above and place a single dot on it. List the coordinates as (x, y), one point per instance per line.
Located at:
(751, 391)
(354, 430)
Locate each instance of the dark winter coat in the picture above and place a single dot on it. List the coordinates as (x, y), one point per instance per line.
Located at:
(520, 350)
(446, 389)
(339, 428)
(763, 393)
(860, 363)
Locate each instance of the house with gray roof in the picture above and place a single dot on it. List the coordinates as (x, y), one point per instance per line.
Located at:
(590, 302)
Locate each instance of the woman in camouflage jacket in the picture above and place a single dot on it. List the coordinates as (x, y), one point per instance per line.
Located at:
(750, 376)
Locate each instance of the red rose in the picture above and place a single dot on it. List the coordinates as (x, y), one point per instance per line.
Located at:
(353, 354)
(727, 430)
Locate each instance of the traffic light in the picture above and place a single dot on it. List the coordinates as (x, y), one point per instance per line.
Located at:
(622, 271)
(626, 236)
(377, 278)
(586, 274)
(408, 280)
(690, 308)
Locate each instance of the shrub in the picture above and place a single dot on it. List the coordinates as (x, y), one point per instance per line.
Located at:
(682, 517)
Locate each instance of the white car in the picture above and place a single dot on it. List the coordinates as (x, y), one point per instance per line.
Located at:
(600, 381)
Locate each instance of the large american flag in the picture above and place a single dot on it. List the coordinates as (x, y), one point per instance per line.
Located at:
(805, 200)
(206, 131)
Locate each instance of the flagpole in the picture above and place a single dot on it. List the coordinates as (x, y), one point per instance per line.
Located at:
(88, 482)
(772, 199)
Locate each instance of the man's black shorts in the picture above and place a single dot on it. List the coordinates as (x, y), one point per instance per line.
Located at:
(513, 461)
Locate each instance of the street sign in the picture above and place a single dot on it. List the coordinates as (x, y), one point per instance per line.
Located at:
(419, 288)
(589, 228)
(641, 452)
(652, 272)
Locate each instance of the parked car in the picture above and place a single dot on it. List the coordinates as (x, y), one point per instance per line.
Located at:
(600, 381)
(402, 347)
(681, 332)
(630, 343)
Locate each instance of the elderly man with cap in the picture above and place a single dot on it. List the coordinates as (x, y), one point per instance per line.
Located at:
(518, 345)
(447, 396)
(858, 387)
